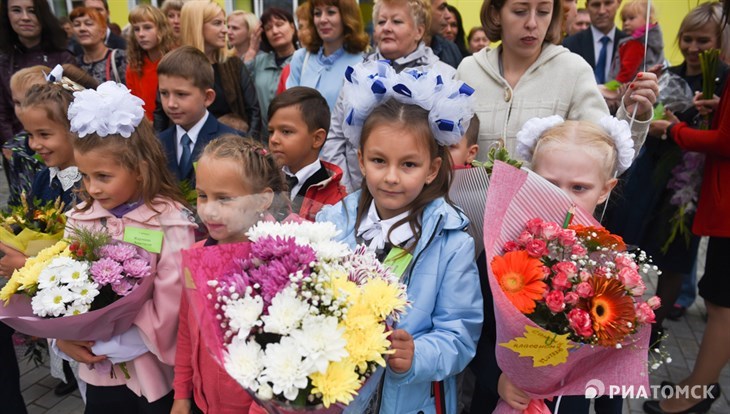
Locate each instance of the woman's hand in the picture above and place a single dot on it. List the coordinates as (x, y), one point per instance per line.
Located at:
(642, 94)
(79, 351)
(402, 343)
(658, 128)
(10, 261)
(513, 396)
(705, 106)
(182, 407)
(254, 44)
(7, 153)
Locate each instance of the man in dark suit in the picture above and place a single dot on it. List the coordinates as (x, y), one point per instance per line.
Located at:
(598, 43)
(446, 50)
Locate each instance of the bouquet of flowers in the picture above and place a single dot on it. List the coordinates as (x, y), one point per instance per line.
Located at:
(300, 321)
(578, 281)
(32, 226)
(73, 289)
(469, 191)
(564, 298)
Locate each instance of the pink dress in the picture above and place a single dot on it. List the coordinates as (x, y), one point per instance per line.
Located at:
(151, 373)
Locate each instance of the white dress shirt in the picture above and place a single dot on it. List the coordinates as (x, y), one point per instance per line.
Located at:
(192, 133)
(302, 175)
(597, 35)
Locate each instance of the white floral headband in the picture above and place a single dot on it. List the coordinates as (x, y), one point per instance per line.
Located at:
(56, 77)
(370, 84)
(618, 130)
(110, 109)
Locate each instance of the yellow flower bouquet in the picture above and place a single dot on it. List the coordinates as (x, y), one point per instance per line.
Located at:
(32, 226)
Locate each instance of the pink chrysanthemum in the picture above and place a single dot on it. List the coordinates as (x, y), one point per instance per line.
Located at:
(106, 271)
(137, 268)
(118, 251)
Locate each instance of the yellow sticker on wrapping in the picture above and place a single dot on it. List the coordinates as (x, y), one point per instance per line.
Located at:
(150, 240)
(398, 260)
(545, 348)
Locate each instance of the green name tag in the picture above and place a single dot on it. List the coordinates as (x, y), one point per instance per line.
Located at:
(398, 260)
(150, 240)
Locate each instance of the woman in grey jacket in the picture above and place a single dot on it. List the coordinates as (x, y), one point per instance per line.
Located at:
(529, 76)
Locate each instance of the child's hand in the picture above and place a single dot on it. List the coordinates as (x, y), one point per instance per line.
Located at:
(705, 106)
(181, 407)
(10, 260)
(402, 343)
(642, 92)
(513, 396)
(79, 351)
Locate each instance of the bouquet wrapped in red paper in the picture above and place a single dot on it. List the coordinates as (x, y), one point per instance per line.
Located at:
(567, 299)
(88, 287)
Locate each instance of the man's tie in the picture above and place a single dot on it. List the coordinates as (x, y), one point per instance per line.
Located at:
(601, 64)
(291, 181)
(185, 157)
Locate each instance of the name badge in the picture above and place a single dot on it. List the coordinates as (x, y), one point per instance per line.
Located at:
(398, 260)
(150, 240)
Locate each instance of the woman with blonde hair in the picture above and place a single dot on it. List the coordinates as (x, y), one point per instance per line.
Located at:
(241, 25)
(150, 38)
(336, 40)
(235, 101)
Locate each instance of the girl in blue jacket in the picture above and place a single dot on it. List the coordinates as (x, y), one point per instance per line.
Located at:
(403, 214)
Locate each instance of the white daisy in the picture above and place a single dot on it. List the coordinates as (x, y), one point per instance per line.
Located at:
(51, 301)
(75, 274)
(54, 272)
(85, 293)
(76, 308)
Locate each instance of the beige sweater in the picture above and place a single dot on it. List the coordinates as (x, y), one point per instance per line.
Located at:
(558, 83)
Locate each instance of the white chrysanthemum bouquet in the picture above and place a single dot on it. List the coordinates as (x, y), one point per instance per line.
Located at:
(299, 320)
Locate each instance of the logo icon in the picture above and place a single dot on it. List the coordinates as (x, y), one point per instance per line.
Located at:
(594, 388)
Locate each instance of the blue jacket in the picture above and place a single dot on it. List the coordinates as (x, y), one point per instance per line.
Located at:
(326, 74)
(445, 319)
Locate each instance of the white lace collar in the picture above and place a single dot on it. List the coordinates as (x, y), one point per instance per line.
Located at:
(375, 230)
(68, 176)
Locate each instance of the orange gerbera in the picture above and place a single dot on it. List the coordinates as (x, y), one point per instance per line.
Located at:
(602, 238)
(520, 277)
(611, 310)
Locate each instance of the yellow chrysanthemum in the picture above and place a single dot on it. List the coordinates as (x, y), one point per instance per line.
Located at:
(25, 278)
(338, 384)
(366, 343)
(383, 298)
(341, 284)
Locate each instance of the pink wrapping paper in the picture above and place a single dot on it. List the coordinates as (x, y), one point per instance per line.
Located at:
(200, 265)
(98, 325)
(516, 196)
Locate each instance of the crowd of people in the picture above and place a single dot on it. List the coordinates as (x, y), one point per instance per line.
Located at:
(238, 106)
